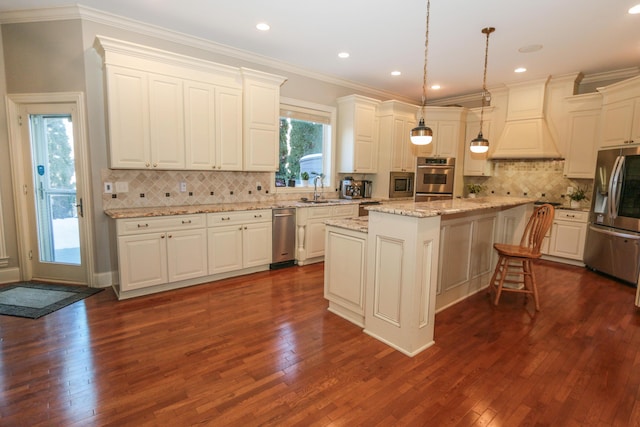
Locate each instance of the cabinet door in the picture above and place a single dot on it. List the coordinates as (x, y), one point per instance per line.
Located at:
(635, 125)
(345, 269)
(315, 238)
(403, 158)
(617, 119)
(261, 130)
(365, 146)
(256, 244)
(128, 110)
(186, 254)
(584, 127)
(143, 260)
(224, 248)
(476, 164)
(166, 119)
(446, 144)
(567, 239)
(228, 129)
(200, 125)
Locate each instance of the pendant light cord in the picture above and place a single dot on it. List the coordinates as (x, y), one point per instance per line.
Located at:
(424, 71)
(487, 31)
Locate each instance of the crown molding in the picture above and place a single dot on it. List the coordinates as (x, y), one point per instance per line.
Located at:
(123, 23)
(622, 74)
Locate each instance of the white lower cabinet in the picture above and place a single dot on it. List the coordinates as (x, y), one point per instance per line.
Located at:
(156, 251)
(567, 236)
(310, 223)
(238, 240)
(345, 273)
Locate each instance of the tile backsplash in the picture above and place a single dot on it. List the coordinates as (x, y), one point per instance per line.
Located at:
(543, 179)
(162, 188)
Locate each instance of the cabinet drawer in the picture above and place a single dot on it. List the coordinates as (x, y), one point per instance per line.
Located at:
(143, 225)
(346, 211)
(567, 215)
(238, 217)
(319, 212)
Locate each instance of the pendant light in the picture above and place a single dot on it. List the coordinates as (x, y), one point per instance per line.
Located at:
(422, 135)
(480, 144)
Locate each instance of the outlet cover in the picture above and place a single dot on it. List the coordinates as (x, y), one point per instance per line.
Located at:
(108, 187)
(183, 187)
(122, 187)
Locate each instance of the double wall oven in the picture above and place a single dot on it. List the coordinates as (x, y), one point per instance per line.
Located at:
(434, 178)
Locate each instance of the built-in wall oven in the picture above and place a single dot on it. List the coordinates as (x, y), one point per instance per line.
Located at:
(434, 178)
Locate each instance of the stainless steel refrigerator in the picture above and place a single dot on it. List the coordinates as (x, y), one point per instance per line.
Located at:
(613, 236)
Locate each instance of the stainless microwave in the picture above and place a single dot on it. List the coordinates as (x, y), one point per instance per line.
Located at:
(401, 184)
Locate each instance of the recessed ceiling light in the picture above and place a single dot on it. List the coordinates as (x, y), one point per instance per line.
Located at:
(635, 10)
(435, 87)
(343, 55)
(520, 70)
(530, 48)
(395, 73)
(263, 26)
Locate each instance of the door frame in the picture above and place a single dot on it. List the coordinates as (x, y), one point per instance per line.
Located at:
(20, 188)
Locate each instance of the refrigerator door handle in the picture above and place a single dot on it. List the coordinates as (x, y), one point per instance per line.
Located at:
(613, 201)
(614, 233)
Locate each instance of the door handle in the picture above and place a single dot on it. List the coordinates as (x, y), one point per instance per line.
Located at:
(80, 208)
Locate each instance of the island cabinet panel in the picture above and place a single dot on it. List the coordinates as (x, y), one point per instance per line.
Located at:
(402, 274)
(345, 273)
(466, 249)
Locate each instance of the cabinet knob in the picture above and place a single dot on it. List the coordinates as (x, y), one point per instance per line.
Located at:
(245, 227)
(162, 237)
(170, 235)
(155, 165)
(240, 228)
(147, 164)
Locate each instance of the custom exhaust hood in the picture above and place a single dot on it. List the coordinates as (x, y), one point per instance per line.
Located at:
(526, 134)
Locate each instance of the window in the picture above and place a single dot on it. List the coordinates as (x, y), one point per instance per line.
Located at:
(305, 142)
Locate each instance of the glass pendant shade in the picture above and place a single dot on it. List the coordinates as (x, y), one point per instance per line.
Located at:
(479, 144)
(421, 134)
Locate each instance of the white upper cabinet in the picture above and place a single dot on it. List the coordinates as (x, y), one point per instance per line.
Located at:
(395, 121)
(261, 100)
(168, 111)
(447, 124)
(621, 113)
(583, 135)
(477, 164)
(357, 135)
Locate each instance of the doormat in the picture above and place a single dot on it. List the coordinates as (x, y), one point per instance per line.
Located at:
(34, 300)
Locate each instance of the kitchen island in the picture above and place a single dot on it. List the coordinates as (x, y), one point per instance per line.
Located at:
(384, 274)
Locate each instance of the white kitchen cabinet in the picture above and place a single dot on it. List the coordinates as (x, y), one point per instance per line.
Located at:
(447, 124)
(621, 123)
(568, 234)
(238, 240)
(310, 223)
(146, 120)
(583, 135)
(261, 128)
(345, 268)
(160, 250)
(621, 113)
(396, 152)
(213, 127)
(357, 135)
(477, 164)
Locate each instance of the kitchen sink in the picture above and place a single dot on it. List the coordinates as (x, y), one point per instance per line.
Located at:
(314, 202)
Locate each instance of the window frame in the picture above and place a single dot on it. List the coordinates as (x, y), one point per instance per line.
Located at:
(328, 149)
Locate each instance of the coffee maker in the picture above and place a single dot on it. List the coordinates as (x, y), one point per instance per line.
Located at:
(355, 189)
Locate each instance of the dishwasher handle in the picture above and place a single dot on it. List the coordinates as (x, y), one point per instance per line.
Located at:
(282, 214)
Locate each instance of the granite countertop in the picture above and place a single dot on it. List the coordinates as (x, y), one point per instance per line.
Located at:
(447, 207)
(360, 223)
(221, 207)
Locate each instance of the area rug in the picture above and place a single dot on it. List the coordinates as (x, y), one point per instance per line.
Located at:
(34, 300)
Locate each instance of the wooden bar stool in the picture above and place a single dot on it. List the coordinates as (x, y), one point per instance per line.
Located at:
(514, 272)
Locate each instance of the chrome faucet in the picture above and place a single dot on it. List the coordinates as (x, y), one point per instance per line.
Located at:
(316, 195)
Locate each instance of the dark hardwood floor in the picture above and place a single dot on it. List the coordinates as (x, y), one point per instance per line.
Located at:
(263, 350)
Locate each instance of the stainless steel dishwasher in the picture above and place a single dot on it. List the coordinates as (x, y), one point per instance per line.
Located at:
(284, 238)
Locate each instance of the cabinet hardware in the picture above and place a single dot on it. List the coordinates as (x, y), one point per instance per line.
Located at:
(170, 235)
(226, 219)
(147, 164)
(143, 225)
(257, 216)
(186, 222)
(162, 236)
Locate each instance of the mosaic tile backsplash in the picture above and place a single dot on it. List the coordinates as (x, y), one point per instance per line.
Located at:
(162, 188)
(542, 179)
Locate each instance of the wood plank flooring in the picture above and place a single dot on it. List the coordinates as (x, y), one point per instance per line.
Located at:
(263, 350)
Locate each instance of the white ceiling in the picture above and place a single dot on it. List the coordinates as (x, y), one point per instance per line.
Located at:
(590, 36)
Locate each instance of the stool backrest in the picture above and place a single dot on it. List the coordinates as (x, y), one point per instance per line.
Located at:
(537, 227)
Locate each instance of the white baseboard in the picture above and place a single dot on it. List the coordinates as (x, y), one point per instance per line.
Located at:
(104, 280)
(9, 275)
